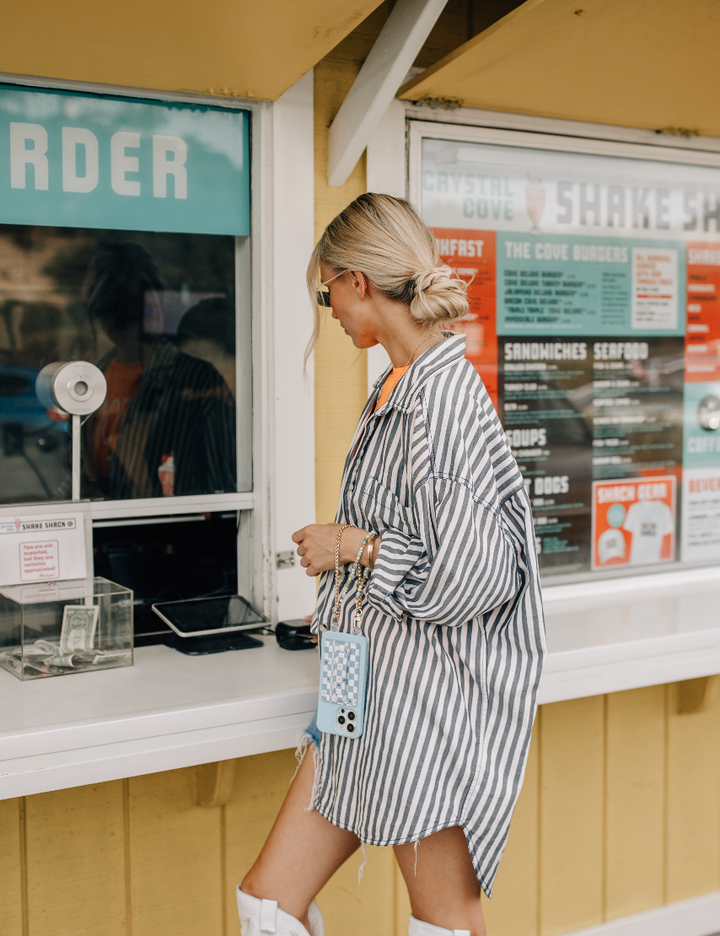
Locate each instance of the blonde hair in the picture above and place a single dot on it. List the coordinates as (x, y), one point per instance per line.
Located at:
(385, 239)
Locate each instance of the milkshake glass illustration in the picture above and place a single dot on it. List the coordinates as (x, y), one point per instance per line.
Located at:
(535, 202)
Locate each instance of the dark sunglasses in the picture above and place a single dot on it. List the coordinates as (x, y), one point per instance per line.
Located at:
(323, 295)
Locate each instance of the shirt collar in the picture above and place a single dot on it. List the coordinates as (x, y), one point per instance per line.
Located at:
(440, 356)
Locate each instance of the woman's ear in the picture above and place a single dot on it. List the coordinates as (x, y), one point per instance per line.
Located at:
(360, 283)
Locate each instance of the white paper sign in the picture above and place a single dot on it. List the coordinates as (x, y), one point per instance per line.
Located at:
(39, 561)
(655, 288)
(42, 548)
(701, 514)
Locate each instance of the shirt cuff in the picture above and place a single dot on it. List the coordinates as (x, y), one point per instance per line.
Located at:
(397, 555)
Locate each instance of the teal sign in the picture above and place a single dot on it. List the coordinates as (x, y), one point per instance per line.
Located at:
(77, 160)
(554, 285)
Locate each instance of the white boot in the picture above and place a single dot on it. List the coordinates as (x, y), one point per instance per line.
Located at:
(264, 916)
(418, 928)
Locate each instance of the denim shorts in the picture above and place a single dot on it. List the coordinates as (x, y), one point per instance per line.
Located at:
(313, 731)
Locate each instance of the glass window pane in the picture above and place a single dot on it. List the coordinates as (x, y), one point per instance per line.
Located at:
(157, 312)
(594, 282)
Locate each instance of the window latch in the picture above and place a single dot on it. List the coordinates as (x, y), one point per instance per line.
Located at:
(285, 560)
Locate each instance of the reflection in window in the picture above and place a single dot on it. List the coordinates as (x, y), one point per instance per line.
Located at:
(156, 313)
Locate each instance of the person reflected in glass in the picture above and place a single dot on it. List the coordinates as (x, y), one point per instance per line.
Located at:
(207, 331)
(167, 426)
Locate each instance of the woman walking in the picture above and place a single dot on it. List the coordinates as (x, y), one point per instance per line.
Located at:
(434, 521)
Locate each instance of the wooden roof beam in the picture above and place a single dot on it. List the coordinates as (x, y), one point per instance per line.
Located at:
(382, 73)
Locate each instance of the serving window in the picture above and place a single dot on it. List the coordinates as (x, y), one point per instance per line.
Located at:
(594, 273)
(124, 241)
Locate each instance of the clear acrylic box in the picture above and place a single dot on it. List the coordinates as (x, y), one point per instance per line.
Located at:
(77, 626)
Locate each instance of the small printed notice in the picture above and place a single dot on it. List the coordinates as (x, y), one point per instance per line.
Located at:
(42, 548)
(701, 514)
(39, 561)
(654, 288)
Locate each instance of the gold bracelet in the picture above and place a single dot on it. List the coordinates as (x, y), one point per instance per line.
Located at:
(371, 550)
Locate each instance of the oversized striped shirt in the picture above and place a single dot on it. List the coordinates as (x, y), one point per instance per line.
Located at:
(452, 612)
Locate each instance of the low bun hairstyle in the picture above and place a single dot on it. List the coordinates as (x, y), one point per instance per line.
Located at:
(440, 295)
(385, 238)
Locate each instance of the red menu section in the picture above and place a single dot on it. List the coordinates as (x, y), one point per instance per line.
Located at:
(472, 255)
(702, 335)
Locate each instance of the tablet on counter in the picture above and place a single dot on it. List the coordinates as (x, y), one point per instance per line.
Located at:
(198, 617)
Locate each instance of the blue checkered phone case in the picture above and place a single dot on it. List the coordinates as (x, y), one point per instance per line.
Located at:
(343, 681)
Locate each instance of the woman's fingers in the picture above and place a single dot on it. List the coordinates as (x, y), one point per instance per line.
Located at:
(299, 535)
(316, 546)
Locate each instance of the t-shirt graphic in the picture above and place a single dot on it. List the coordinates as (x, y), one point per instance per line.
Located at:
(611, 545)
(648, 521)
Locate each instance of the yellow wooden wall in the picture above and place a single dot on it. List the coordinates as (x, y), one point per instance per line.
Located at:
(620, 812)
(340, 369)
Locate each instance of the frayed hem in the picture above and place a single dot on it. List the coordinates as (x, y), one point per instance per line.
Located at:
(316, 777)
(307, 741)
(364, 862)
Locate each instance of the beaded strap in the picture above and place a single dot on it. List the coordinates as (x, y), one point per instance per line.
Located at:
(362, 576)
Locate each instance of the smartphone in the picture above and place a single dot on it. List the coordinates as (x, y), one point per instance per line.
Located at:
(343, 684)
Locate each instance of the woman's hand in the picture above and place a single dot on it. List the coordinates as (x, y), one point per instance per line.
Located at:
(316, 546)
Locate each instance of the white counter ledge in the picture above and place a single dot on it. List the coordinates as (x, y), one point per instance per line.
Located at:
(170, 710)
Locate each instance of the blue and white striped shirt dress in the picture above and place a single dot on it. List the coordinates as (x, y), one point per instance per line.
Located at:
(452, 612)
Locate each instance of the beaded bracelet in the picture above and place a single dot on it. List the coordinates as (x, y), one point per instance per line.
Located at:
(362, 576)
(357, 569)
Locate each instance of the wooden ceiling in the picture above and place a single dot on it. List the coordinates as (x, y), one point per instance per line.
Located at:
(237, 48)
(640, 63)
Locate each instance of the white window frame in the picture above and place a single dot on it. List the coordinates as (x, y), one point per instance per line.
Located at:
(281, 239)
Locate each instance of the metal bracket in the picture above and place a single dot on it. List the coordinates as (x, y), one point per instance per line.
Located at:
(214, 783)
(692, 695)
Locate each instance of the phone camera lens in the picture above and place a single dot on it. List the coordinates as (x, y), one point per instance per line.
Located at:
(351, 716)
(351, 727)
(341, 720)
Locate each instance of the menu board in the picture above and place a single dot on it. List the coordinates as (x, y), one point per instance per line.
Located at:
(594, 324)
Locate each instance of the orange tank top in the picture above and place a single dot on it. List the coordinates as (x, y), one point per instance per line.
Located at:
(391, 381)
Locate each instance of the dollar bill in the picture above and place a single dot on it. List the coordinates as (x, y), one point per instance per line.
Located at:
(63, 661)
(13, 662)
(78, 629)
(109, 656)
(41, 648)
